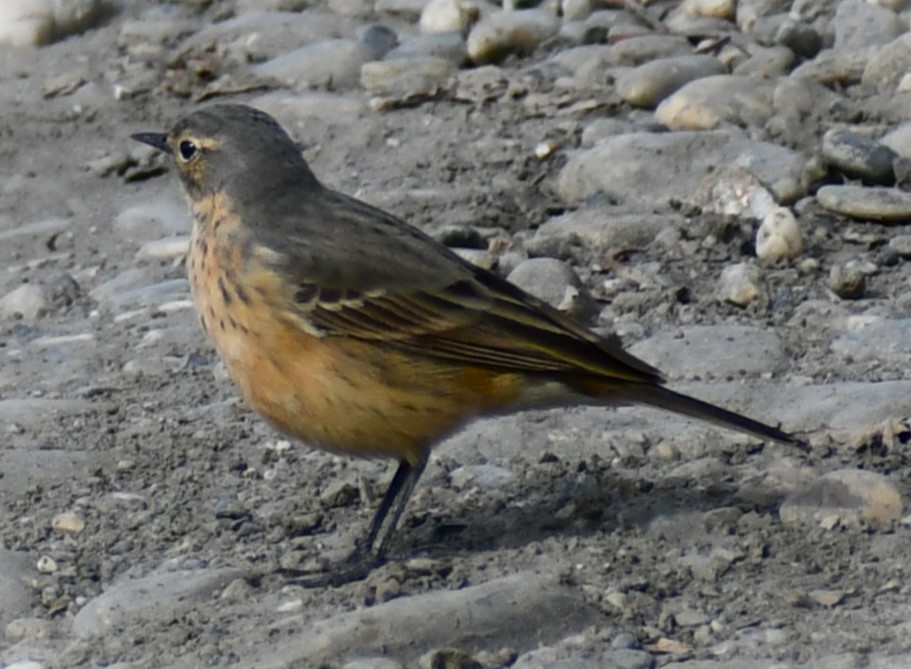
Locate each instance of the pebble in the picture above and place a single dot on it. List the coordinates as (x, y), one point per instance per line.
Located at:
(801, 38)
(25, 664)
(902, 245)
(860, 24)
(873, 203)
(339, 493)
(708, 102)
(651, 169)
(30, 629)
(888, 64)
(848, 281)
(650, 83)
(510, 32)
(778, 237)
(334, 62)
(405, 80)
(164, 249)
(766, 63)
(46, 565)
(847, 495)
(598, 230)
(556, 283)
(153, 220)
(489, 613)
(37, 22)
(738, 284)
(373, 663)
(448, 46)
(68, 522)
(484, 476)
(133, 601)
(447, 658)
(28, 302)
(713, 350)
(446, 16)
(858, 157)
(634, 51)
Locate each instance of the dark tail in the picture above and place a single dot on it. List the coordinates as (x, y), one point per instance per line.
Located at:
(663, 398)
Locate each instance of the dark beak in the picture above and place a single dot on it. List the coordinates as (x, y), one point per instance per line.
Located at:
(157, 140)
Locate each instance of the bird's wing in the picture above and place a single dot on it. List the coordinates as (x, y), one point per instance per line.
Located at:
(372, 277)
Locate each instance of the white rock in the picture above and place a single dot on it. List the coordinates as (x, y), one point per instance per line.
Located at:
(779, 236)
(68, 521)
(34, 22)
(28, 301)
(738, 285)
(719, 9)
(446, 16)
(46, 564)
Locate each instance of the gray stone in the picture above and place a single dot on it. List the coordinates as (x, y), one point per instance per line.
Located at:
(637, 50)
(598, 230)
(848, 495)
(400, 81)
(859, 25)
(859, 157)
(27, 23)
(650, 83)
(521, 611)
(706, 103)
(484, 476)
(651, 169)
(335, 62)
(848, 281)
(628, 658)
(407, 9)
(766, 63)
(800, 38)
(510, 32)
(831, 67)
(739, 284)
(556, 283)
(888, 65)
(899, 140)
(153, 220)
(372, 663)
(131, 602)
(29, 301)
(449, 46)
(883, 205)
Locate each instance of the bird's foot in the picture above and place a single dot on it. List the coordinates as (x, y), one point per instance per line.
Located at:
(356, 567)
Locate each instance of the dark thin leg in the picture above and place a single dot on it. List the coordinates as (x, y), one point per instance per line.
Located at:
(369, 552)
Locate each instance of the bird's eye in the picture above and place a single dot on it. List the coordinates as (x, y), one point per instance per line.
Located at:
(187, 150)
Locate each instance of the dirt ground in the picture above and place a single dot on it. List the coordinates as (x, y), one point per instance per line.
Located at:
(137, 429)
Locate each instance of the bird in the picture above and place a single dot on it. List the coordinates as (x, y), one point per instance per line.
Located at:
(357, 333)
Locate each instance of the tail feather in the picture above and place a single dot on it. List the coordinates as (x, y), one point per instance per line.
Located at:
(664, 398)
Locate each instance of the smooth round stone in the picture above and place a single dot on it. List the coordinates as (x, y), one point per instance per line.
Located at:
(869, 203)
(899, 140)
(860, 24)
(850, 495)
(832, 67)
(902, 245)
(650, 83)
(799, 37)
(848, 281)
(36, 22)
(446, 16)
(719, 9)
(554, 282)
(778, 237)
(881, 339)
(337, 62)
(510, 32)
(408, 78)
(576, 10)
(706, 103)
(449, 46)
(888, 65)
(739, 284)
(858, 157)
(407, 9)
(767, 63)
(378, 39)
(637, 50)
(28, 301)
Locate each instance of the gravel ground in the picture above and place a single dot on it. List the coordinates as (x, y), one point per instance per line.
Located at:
(722, 185)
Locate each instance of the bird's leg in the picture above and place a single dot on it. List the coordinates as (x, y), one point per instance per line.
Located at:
(369, 552)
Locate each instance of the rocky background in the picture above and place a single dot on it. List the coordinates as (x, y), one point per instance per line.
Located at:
(723, 184)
